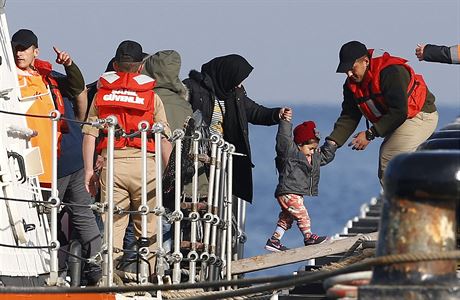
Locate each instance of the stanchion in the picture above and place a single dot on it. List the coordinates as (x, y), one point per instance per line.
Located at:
(231, 150)
(177, 215)
(144, 208)
(222, 228)
(208, 216)
(193, 215)
(241, 235)
(215, 212)
(54, 201)
(159, 210)
(107, 267)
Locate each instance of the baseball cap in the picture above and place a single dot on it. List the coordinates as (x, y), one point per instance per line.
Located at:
(129, 51)
(24, 38)
(348, 54)
(305, 132)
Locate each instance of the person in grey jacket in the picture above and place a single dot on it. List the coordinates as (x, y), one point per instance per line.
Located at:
(164, 66)
(298, 162)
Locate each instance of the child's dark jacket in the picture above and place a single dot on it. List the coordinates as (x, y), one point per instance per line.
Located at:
(296, 174)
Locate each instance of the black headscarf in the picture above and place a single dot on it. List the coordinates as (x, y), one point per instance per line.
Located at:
(226, 73)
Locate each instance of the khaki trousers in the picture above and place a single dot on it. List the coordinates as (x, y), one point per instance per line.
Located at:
(127, 183)
(406, 138)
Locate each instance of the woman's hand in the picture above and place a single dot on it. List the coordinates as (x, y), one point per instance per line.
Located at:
(286, 114)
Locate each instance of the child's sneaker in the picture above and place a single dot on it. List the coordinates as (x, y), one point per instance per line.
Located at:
(314, 240)
(275, 246)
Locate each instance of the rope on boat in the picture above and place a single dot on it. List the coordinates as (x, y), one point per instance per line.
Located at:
(270, 283)
(181, 294)
(26, 247)
(365, 253)
(321, 275)
(25, 200)
(98, 123)
(76, 121)
(26, 115)
(89, 206)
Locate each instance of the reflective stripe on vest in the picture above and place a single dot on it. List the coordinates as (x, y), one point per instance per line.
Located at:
(368, 95)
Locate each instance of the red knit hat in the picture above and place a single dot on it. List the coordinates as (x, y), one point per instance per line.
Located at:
(305, 132)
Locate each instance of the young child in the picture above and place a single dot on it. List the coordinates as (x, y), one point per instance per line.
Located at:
(298, 161)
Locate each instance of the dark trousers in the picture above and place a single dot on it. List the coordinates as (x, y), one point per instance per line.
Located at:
(72, 190)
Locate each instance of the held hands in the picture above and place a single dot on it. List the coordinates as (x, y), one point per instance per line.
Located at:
(359, 141)
(286, 114)
(62, 57)
(419, 51)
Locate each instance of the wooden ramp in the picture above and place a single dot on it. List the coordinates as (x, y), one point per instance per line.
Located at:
(276, 259)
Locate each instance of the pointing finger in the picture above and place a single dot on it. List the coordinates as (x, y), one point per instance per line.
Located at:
(56, 50)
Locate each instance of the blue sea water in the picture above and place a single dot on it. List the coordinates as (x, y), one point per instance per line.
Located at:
(346, 183)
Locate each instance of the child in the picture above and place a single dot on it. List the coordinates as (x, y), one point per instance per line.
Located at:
(298, 161)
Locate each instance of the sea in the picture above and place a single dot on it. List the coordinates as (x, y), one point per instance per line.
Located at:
(347, 183)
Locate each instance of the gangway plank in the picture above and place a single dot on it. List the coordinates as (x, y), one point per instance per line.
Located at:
(276, 259)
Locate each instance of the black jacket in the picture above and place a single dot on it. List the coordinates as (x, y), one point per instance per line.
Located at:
(442, 54)
(239, 111)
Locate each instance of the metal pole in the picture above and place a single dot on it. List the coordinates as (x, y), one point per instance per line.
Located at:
(144, 208)
(108, 236)
(208, 217)
(158, 129)
(193, 215)
(54, 200)
(222, 232)
(242, 227)
(177, 214)
(231, 150)
(215, 212)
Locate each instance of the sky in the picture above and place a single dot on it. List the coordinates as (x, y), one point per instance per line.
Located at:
(292, 45)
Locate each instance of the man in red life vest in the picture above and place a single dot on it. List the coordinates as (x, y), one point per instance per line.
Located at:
(128, 95)
(388, 93)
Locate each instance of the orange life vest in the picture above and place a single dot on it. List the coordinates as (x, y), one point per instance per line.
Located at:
(45, 69)
(40, 93)
(368, 94)
(129, 97)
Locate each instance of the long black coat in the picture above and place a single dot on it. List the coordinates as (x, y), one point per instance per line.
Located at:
(239, 111)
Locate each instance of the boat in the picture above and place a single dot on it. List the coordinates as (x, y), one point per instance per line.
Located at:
(206, 262)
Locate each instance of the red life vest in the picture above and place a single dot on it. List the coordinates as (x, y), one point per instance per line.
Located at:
(368, 94)
(129, 97)
(44, 68)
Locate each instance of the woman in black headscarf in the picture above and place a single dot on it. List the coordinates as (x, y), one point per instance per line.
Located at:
(218, 93)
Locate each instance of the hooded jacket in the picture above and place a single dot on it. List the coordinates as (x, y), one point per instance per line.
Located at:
(219, 78)
(164, 67)
(296, 174)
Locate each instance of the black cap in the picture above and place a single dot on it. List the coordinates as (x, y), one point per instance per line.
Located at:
(24, 38)
(348, 54)
(129, 51)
